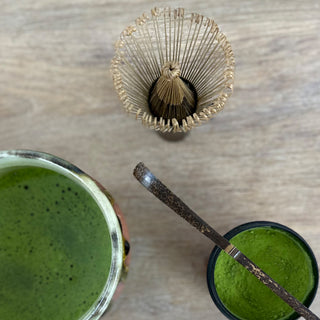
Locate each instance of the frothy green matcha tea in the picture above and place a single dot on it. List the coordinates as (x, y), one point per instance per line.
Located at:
(55, 248)
(281, 256)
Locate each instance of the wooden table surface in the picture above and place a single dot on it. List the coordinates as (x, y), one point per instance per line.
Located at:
(256, 160)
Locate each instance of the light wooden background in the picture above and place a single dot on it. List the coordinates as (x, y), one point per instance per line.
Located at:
(257, 160)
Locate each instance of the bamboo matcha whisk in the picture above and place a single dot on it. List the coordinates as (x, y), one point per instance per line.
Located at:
(173, 70)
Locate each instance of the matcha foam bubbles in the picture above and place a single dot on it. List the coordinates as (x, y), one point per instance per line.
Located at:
(55, 247)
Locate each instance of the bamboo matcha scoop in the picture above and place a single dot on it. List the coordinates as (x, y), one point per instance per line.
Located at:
(155, 186)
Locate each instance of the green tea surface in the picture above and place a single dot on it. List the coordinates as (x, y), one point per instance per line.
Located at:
(55, 248)
(281, 256)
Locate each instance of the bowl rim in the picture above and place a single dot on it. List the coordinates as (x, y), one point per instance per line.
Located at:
(247, 226)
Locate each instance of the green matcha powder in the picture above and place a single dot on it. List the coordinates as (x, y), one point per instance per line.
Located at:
(281, 256)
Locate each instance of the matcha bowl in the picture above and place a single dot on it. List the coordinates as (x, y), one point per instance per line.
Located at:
(281, 253)
(64, 246)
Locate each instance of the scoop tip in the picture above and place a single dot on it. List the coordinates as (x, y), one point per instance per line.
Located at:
(139, 170)
(143, 175)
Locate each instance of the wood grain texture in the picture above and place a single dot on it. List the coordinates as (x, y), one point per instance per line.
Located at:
(256, 160)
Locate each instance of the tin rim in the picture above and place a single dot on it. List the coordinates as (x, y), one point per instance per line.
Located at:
(247, 226)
